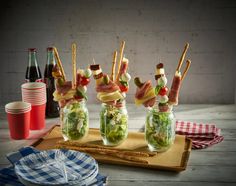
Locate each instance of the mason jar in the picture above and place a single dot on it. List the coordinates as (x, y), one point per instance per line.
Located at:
(74, 118)
(159, 129)
(113, 124)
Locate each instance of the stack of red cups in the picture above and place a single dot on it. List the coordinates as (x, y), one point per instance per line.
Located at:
(35, 94)
(18, 115)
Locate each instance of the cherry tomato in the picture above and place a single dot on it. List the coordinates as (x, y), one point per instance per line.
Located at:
(163, 91)
(124, 88)
(84, 81)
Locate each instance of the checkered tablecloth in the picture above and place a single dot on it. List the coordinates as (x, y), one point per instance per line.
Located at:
(8, 176)
(202, 135)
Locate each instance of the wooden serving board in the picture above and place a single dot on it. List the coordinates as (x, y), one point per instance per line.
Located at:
(175, 159)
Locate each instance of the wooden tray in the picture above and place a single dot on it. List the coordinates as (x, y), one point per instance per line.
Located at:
(175, 159)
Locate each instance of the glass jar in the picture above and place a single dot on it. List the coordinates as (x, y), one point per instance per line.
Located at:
(159, 129)
(113, 124)
(74, 118)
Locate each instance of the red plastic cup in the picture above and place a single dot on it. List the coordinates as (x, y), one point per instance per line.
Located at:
(37, 117)
(18, 119)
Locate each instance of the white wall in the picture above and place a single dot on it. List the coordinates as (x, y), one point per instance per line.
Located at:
(152, 29)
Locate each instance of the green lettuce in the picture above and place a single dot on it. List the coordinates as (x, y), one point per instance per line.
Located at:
(113, 125)
(160, 130)
(74, 121)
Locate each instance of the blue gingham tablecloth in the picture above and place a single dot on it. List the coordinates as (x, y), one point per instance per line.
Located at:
(9, 178)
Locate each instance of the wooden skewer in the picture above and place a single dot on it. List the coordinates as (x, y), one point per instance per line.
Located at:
(104, 152)
(186, 69)
(182, 57)
(73, 65)
(129, 152)
(94, 61)
(113, 65)
(59, 63)
(121, 57)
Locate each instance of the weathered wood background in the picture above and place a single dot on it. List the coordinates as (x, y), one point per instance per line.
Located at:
(152, 29)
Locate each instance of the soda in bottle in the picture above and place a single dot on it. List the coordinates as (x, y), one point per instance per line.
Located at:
(33, 73)
(52, 108)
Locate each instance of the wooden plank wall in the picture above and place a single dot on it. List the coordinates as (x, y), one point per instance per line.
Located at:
(152, 29)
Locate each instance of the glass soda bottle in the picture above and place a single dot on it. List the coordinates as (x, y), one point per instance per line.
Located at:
(33, 73)
(52, 108)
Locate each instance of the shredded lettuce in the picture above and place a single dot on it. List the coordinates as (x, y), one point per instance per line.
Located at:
(113, 125)
(160, 130)
(74, 118)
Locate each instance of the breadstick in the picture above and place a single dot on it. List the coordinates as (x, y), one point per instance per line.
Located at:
(129, 152)
(59, 63)
(121, 57)
(73, 46)
(186, 69)
(182, 57)
(113, 65)
(104, 152)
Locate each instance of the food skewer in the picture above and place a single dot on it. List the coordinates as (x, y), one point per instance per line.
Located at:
(123, 76)
(76, 89)
(176, 83)
(113, 66)
(122, 47)
(186, 69)
(161, 88)
(110, 89)
(73, 65)
(111, 92)
(59, 63)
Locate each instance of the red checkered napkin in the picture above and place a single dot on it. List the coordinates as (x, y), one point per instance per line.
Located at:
(202, 135)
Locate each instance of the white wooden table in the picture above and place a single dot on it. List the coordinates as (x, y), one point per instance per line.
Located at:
(212, 166)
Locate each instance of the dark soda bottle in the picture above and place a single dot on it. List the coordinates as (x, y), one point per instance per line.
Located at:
(52, 108)
(33, 73)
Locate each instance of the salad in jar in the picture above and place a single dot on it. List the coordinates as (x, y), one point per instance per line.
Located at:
(159, 130)
(160, 119)
(74, 118)
(111, 92)
(113, 124)
(71, 96)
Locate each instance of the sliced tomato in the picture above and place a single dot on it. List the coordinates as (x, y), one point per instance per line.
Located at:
(163, 91)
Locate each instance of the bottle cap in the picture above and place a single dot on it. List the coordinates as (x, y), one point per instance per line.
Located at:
(50, 49)
(32, 49)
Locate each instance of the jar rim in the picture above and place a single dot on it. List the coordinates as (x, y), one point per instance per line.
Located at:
(123, 105)
(157, 109)
(81, 102)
